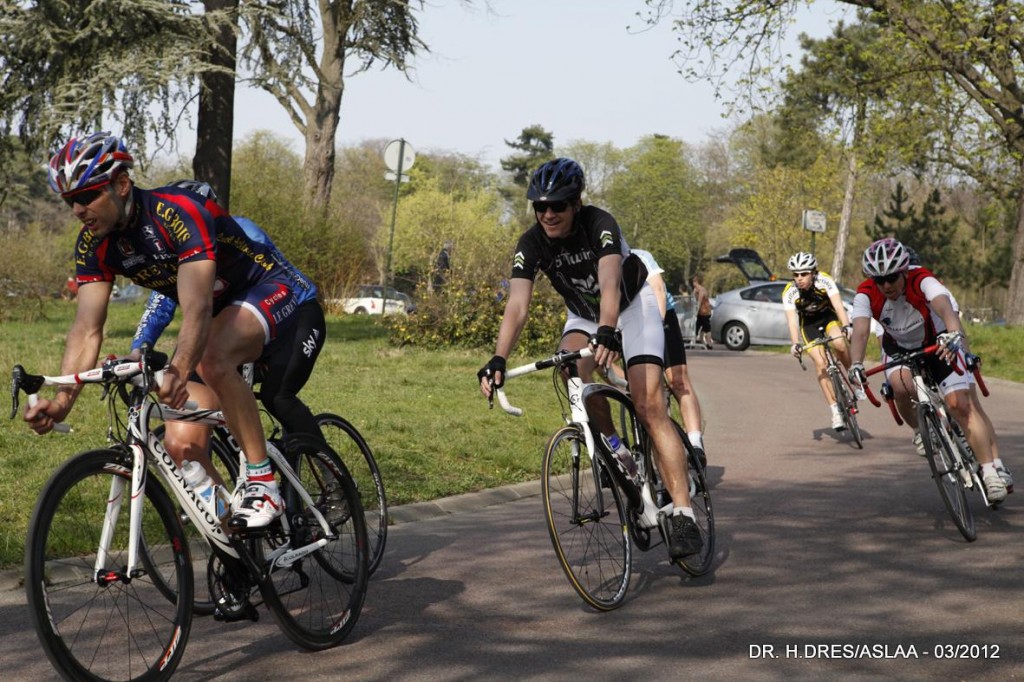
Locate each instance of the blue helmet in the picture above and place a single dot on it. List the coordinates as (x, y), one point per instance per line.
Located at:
(557, 180)
(86, 162)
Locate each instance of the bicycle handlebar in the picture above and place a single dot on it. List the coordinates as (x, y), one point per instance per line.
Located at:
(556, 360)
(972, 363)
(113, 371)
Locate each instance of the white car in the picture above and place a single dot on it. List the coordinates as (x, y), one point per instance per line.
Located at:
(369, 300)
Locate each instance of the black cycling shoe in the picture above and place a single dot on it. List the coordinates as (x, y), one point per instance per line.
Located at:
(684, 537)
(702, 457)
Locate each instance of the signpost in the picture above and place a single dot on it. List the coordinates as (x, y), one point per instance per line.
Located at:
(398, 156)
(813, 222)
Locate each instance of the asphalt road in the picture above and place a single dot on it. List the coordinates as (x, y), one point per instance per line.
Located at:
(843, 561)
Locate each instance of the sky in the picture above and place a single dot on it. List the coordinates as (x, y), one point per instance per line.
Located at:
(571, 66)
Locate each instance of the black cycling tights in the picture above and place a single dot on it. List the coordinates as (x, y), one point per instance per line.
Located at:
(288, 362)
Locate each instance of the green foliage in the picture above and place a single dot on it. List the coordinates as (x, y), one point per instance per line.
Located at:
(71, 65)
(536, 145)
(327, 248)
(657, 202)
(768, 218)
(466, 313)
(928, 233)
(430, 216)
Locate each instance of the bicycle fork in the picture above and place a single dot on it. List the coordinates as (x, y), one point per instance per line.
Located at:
(103, 573)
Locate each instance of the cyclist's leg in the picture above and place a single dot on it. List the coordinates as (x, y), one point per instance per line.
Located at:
(289, 363)
(575, 336)
(678, 377)
(183, 440)
(643, 346)
(237, 336)
(966, 410)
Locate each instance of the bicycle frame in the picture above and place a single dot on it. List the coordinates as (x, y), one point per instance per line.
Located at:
(144, 447)
(926, 394)
(639, 495)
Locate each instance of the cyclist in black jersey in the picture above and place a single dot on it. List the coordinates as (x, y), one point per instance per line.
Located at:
(813, 300)
(235, 298)
(581, 250)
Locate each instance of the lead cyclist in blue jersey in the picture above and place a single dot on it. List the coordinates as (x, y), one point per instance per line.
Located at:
(234, 296)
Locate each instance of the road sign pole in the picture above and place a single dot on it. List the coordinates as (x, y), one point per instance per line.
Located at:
(394, 216)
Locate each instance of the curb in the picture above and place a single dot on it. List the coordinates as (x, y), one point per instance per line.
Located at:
(12, 579)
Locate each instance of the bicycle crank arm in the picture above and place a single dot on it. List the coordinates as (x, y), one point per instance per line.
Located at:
(289, 558)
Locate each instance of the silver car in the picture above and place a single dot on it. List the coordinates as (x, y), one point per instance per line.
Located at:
(753, 315)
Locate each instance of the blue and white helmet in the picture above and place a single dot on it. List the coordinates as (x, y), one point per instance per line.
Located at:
(86, 162)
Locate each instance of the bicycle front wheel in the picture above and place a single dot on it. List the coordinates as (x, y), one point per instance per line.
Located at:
(94, 620)
(946, 472)
(586, 521)
(316, 598)
(351, 447)
(848, 407)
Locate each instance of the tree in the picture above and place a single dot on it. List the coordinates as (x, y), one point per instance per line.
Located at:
(929, 233)
(535, 146)
(657, 202)
(301, 52)
(216, 117)
(970, 48)
(70, 66)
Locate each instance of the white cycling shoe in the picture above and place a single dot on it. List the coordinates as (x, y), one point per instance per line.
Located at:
(257, 508)
(837, 422)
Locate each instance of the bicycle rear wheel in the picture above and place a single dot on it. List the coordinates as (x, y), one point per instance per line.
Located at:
(347, 442)
(99, 623)
(946, 472)
(848, 408)
(703, 511)
(587, 523)
(317, 599)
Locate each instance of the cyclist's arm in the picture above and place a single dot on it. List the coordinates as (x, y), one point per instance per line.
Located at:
(517, 310)
(794, 325)
(657, 283)
(862, 321)
(943, 307)
(195, 294)
(82, 348)
(157, 315)
(609, 275)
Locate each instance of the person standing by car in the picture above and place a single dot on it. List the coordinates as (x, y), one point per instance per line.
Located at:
(581, 250)
(703, 303)
(916, 311)
(812, 300)
(676, 372)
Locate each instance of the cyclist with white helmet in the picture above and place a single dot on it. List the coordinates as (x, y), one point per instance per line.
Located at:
(610, 307)
(812, 300)
(235, 298)
(915, 311)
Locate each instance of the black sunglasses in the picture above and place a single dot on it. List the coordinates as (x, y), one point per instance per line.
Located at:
(887, 279)
(556, 206)
(84, 197)
(803, 273)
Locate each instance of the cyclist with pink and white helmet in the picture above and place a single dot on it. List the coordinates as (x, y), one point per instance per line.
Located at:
(915, 310)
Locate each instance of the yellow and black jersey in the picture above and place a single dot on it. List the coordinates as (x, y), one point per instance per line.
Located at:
(815, 302)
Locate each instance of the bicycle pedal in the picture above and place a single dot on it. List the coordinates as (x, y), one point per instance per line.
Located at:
(228, 611)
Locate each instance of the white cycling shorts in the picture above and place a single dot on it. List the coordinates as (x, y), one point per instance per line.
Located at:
(643, 336)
